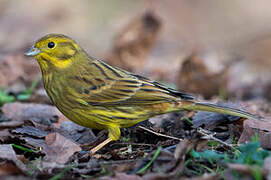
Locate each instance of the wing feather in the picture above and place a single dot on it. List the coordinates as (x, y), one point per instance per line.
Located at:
(116, 86)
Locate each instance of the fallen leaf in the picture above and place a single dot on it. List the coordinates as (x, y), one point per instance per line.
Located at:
(92, 166)
(11, 124)
(209, 119)
(212, 176)
(262, 128)
(34, 143)
(41, 115)
(5, 135)
(8, 168)
(180, 153)
(182, 148)
(158, 176)
(31, 131)
(248, 82)
(200, 76)
(7, 153)
(122, 176)
(60, 149)
(30, 111)
(133, 44)
(76, 132)
(19, 70)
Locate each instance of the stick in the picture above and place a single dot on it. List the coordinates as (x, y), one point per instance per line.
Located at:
(159, 134)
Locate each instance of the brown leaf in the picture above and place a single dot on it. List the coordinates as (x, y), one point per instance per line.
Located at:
(27, 111)
(5, 135)
(262, 128)
(31, 131)
(7, 153)
(11, 124)
(247, 81)
(60, 149)
(133, 44)
(182, 148)
(205, 176)
(8, 168)
(39, 114)
(197, 77)
(122, 176)
(19, 70)
(34, 143)
(158, 176)
(180, 153)
(76, 133)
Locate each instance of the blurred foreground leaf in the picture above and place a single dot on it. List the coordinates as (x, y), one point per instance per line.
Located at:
(5, 98)
(250, 154)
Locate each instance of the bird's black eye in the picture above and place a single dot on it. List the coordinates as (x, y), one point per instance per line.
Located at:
(51, 44)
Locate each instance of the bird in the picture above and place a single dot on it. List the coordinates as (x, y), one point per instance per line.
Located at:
(94, 94)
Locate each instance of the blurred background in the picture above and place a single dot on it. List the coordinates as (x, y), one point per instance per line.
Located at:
(209, 48)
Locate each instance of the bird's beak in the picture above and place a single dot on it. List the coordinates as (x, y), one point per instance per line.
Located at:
(32, 51)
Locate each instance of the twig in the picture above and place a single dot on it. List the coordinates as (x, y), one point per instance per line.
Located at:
(210, 135)
(159, 134)
(135, 144)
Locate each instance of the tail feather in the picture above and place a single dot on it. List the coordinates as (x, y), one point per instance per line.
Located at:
(202, 106)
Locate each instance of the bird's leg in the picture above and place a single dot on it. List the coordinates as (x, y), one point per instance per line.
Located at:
(97, 148)
(113, 135)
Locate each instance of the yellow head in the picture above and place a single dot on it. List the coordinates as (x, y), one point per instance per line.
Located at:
(54, 51)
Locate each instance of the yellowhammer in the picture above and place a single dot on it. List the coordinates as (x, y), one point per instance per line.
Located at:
(94, 94)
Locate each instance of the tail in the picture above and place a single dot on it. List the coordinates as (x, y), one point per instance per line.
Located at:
(202, 106)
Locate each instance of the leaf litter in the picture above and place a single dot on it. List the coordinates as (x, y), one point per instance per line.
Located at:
(37, 141)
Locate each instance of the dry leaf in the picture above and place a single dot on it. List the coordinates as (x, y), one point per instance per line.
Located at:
(195, 76)
(31, 131)
(7, 153)
(60, 149)
(122, 176)
(19, 70)
(40, 115)
(133, 44)
(262, 128)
